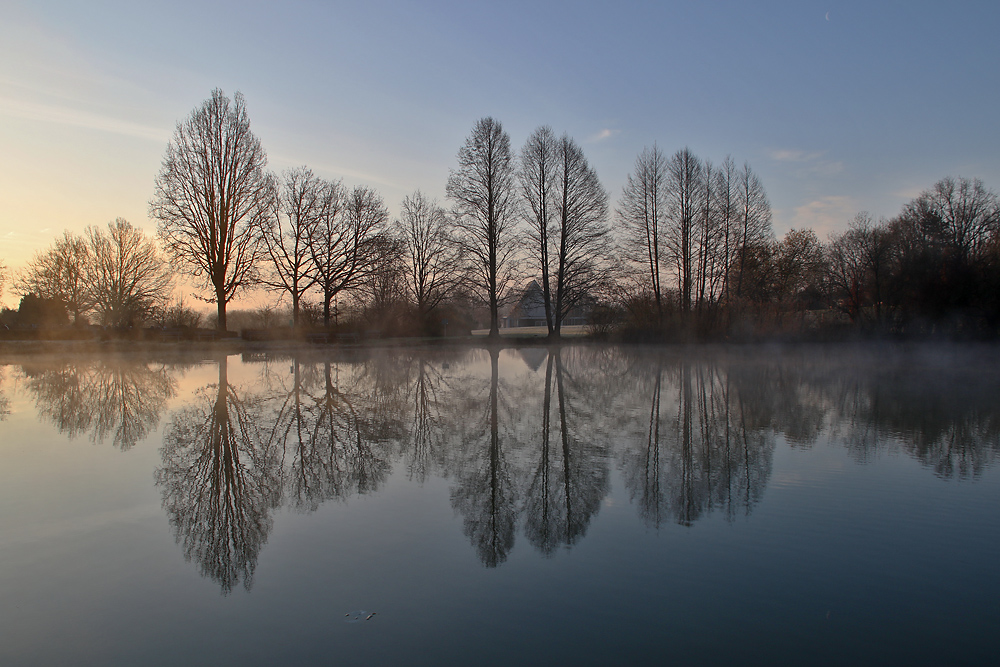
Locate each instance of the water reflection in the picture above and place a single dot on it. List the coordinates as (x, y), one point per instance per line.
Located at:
(570, 475)
(4, 401)
(220, 480)
(700, 444)
(336, 440)
(941, 413)
(118, 397)
(484, 493)
(528, 439)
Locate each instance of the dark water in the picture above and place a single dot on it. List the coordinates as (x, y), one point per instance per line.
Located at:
(594, 505)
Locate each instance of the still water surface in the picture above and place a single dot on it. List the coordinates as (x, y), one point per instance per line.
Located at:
(583, 505)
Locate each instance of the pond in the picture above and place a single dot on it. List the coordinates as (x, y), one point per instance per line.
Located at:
(577, 505)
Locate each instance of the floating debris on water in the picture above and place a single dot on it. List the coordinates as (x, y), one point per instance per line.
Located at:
(360, 615)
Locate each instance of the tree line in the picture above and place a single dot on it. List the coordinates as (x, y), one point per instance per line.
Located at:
(687, 250)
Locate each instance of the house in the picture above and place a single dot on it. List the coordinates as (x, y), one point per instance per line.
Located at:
(529, 310)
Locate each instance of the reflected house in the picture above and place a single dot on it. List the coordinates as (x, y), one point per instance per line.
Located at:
(529, 310)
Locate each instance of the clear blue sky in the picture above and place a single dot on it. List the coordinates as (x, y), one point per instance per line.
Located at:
(840, 106)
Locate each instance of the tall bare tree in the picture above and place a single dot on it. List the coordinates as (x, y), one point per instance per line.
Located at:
(537, 178)
(60, 273)
(343, 244)
(213, 195)
(127, 276)
(726, 210)
(642, 210)
(433, 261)
(581, 232)
(482, 189)
(301, 202)
(683, 191)
(754, 220)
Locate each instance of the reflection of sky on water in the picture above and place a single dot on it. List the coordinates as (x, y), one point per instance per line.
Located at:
(407, 467)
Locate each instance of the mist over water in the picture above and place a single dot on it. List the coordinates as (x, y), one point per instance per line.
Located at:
(596, 502)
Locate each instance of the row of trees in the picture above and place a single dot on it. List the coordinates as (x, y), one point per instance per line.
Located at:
(117, 273)
(694, 246)
(542, 213)
(937, 261)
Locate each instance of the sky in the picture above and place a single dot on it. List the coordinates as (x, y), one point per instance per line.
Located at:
(840, 107)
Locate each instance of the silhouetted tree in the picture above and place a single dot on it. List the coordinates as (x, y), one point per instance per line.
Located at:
(753, 222)
(580, 234)
(212, 196)
(482, 189)
(433, 263)
(682, 189)
(537, 178)
(344, 244)
(60, 273)
(642, 211)
(126, 276)
(303, 199)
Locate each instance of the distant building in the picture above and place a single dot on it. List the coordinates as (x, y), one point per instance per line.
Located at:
(529, 310)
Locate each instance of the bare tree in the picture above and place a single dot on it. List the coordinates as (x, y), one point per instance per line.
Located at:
(961, 215)
(384, 289)
(537, 178)
(59, 273)
(127, 277)
(342, 245)
(798, 266)
(433, 261)
(213, 195)
(726, 210)
(754, 220)
(682, 190)
(301, 202)
(581, 232)
(642, 211)
(483, 191)
(857, 263)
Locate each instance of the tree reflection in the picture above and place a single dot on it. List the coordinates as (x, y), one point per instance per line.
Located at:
(220, 480)
(699, 450)
(570, 478)
(328, 426)
(4, 401)
(116, 397)
(484, 494)
(528, 445)
(941, 413)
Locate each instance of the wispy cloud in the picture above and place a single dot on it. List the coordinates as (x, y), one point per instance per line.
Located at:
(604, 134)
(825, 214)
(809, 162)
(794, 155)
(909, 193)
(45, 113)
